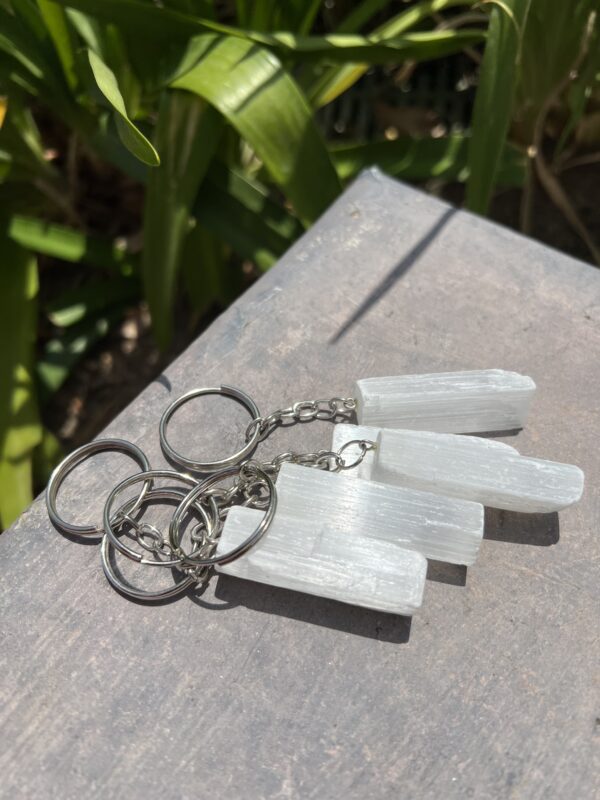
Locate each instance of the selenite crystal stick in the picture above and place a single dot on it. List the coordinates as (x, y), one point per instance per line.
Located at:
(449, 402)
(315, 560)
(439, 527)
(478, 469)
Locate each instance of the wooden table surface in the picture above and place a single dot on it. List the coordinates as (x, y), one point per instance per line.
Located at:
(247, 691)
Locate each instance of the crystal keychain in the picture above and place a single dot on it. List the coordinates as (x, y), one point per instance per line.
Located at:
(416, 494)
(489, 472)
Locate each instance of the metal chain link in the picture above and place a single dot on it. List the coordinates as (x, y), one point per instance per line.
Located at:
(337, 408)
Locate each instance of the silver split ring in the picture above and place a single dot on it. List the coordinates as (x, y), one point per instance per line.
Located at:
(73, 460)
(250, 541)
(209, 466)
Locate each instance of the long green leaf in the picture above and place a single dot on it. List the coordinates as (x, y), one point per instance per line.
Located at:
(62, 353)
(422, 159)
(37, 62)
(187, 134)
(20, 429)
(68, 244)
(494, 100)
(360, 14)
(248, 84)
(374, 49)
(206, 270)
(131, 136)
(74, 305)
(260, 233)
(58, 27)
(255, 196)
(337, 79)
(22, 147)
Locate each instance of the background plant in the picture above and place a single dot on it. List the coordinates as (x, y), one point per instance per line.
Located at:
(211, 113)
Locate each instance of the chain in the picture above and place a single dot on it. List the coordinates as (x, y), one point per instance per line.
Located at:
(335, 409)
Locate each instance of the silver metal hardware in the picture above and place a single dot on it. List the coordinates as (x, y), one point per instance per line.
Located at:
(252, 485)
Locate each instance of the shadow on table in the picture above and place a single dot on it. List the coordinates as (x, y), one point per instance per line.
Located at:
(307, 608)
(518, 528)
(443, 572)
(409, 260)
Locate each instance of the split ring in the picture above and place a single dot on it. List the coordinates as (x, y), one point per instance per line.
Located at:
(74, 459)
(149, 476)
(127, 588)
(250, 541)
(209, 466)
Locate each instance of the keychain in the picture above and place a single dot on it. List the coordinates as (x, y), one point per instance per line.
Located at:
(355, 523)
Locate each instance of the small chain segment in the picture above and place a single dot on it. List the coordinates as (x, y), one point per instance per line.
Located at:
(337, 409)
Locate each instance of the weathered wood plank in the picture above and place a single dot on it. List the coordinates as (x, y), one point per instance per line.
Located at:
(254, 692)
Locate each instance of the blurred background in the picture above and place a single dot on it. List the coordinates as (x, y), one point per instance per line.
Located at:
(157, 156)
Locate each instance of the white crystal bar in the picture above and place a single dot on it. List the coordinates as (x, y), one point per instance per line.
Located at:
(477, 469)
(344, 433)
(440, 527)
(448, 402)
(313, 559)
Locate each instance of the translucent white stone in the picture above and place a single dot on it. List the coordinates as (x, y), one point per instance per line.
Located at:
(449, 402)
(344, 433)
(316, 560)
(440, 527)
(478, 469)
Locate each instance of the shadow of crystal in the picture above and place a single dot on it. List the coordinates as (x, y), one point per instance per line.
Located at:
(442, 572)
(515, 527)
(315, 610)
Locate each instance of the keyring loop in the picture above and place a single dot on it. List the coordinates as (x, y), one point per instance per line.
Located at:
(208, 466)
(127, 588)
(73, 460)
(151, 476)
(255, 536)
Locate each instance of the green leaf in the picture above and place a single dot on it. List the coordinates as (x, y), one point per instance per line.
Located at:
(422, 159)
(206, 270)
(375, 49)
(62, 353)
(58, 27)
(263, 230)
(22, 147)
(246, 84)
(46, 456)
(38, 69)
(494, 100)
(68, 244)
(187, 134)
(360, 15)
(133, 139)
(74, 305)
(20, 429)
(335, 80)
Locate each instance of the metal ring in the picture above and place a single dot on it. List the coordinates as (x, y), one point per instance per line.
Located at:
(208, 466)
(150, 476)
(255, 536)
(73, 460)
(127, 588)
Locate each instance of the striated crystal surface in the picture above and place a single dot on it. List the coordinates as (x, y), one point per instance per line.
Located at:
(440, 527)
(344, 433)
(448, 402)
(478, 469)
(317, 560)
